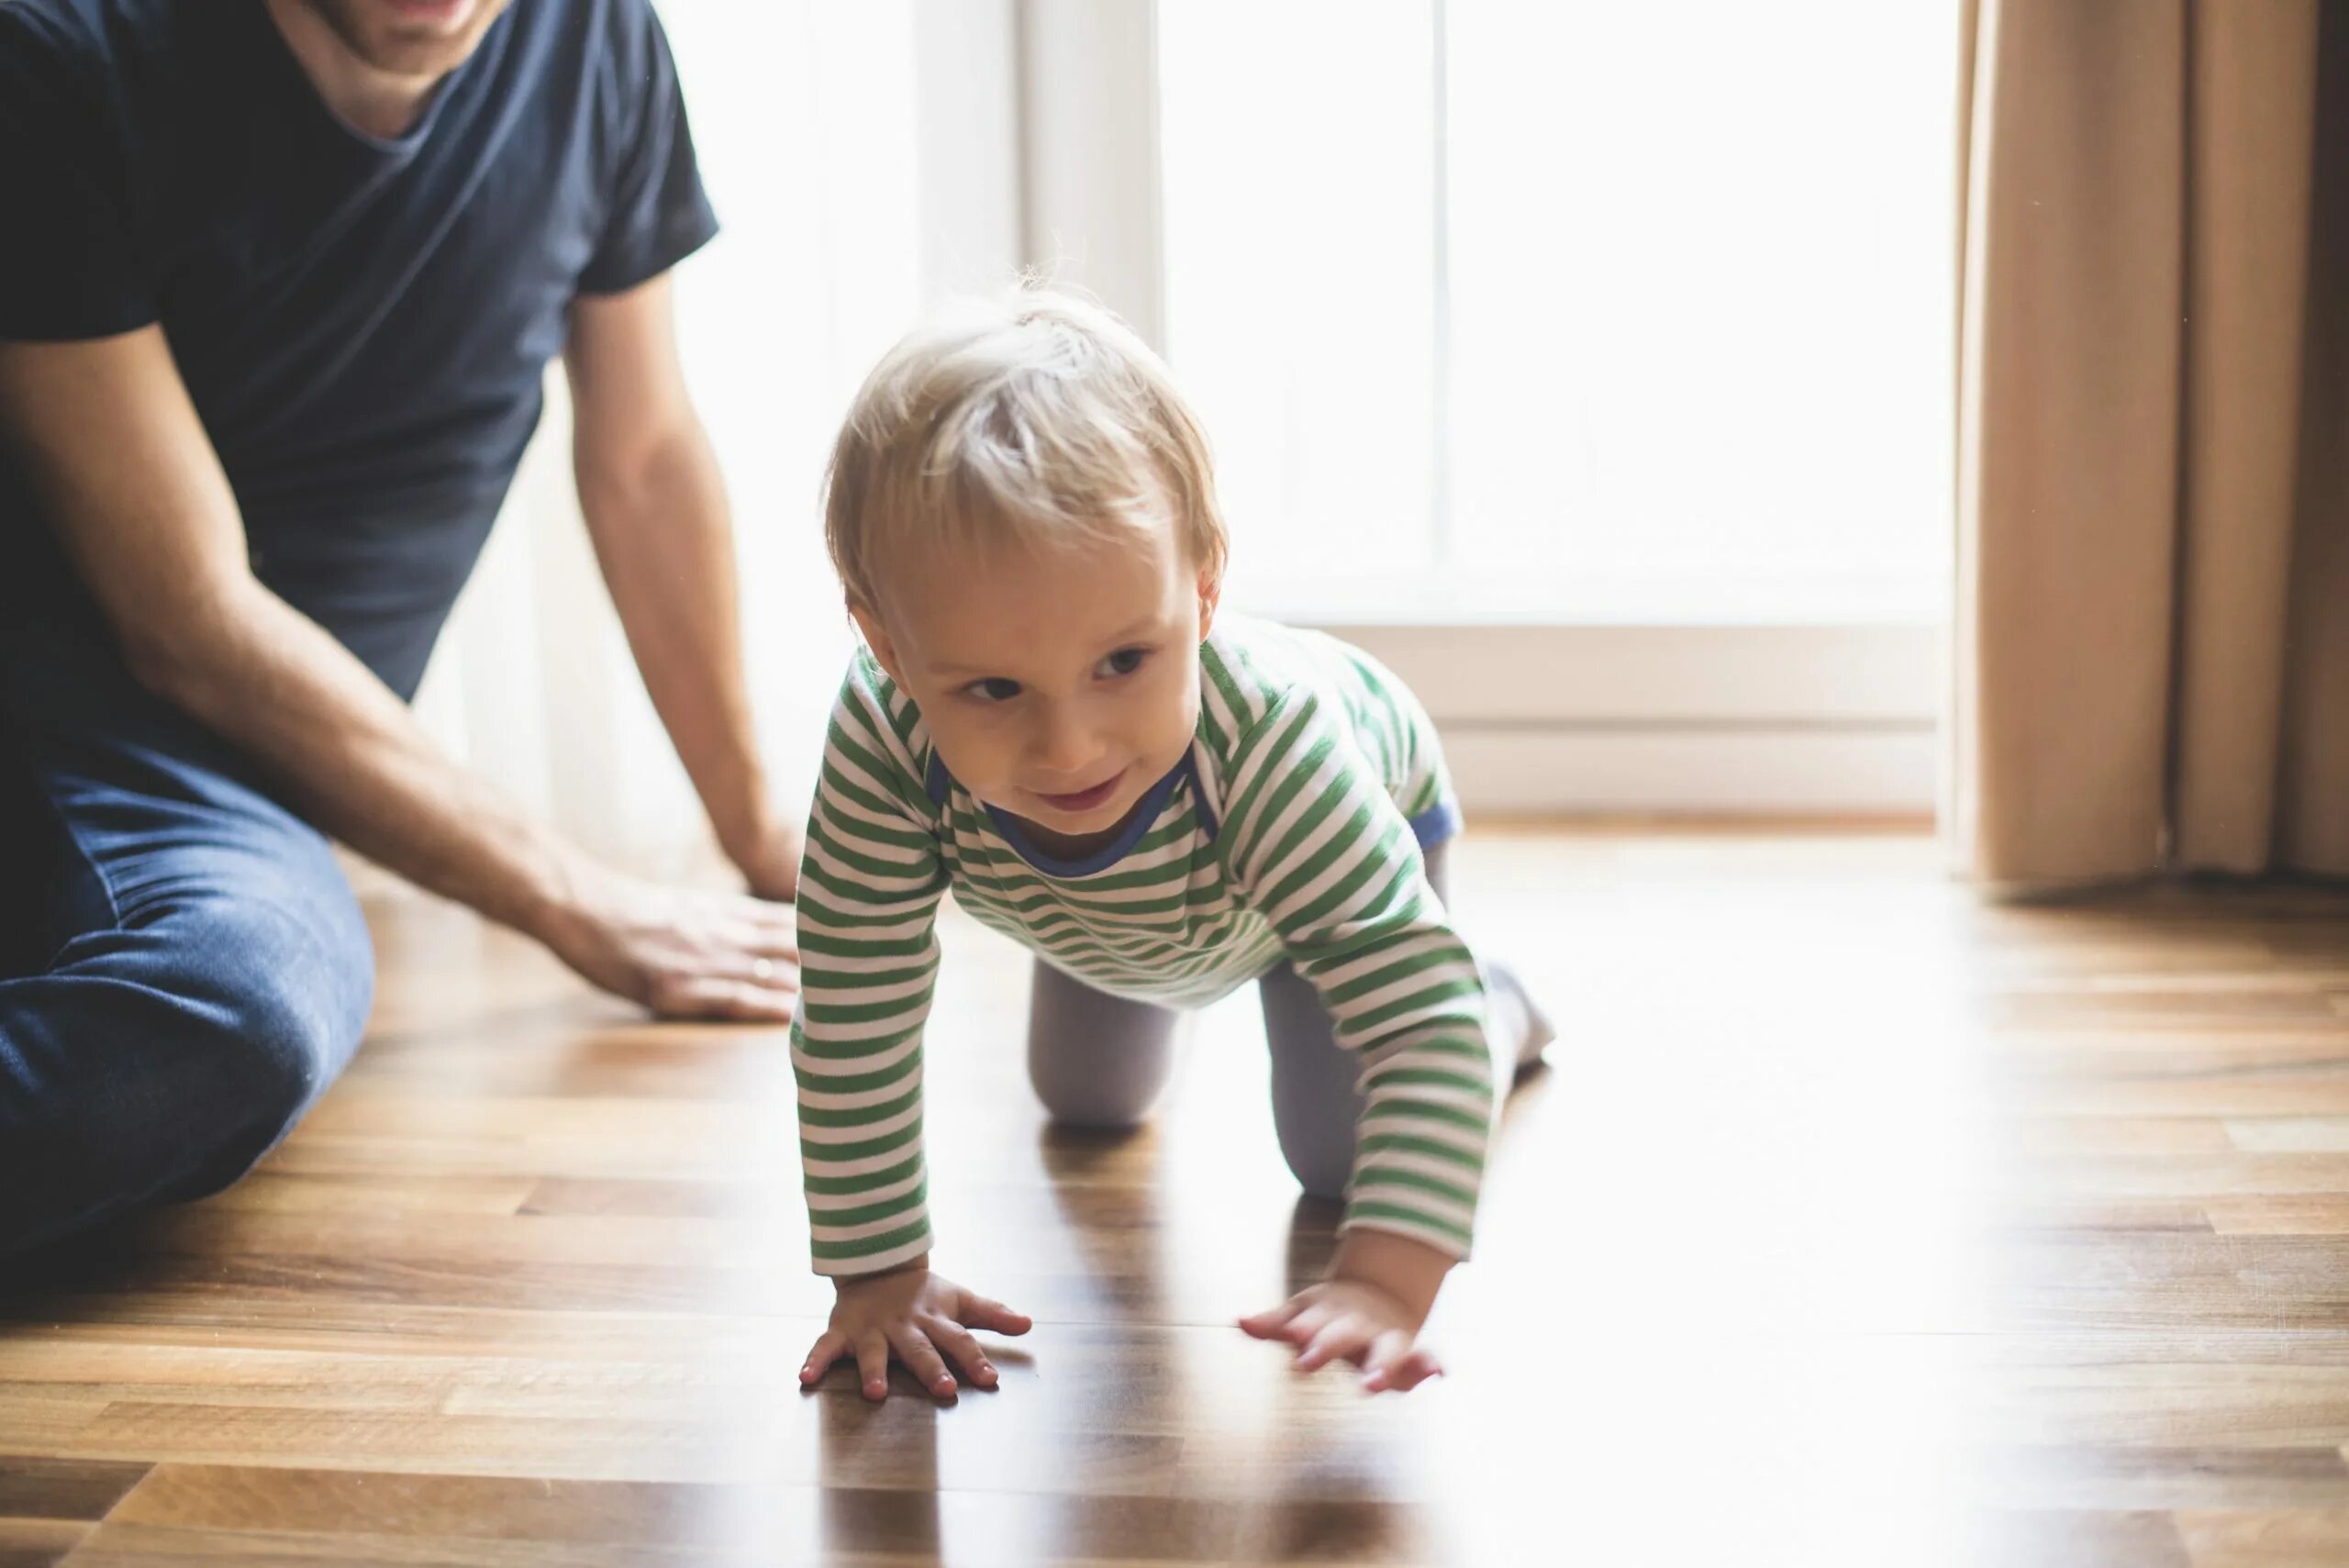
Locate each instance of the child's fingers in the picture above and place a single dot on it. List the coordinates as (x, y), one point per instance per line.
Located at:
(1386, 1355)
(921, 1359)
(1268, 1324)
(979, 1312)
(964, 1347)
(830, 1347)
(1408, 1374)
(873, 1363)
(1419, 1367)
(1300, 1329)
(1343, 1336)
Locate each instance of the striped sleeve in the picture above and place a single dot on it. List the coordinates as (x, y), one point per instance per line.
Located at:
(868, 949)
(1328, 857)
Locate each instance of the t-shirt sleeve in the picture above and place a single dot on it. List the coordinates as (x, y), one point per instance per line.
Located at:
(1321, 849)
(71, 265)
(659, 213)
(869, 887)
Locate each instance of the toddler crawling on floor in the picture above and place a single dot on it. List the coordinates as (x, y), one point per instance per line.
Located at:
(1162, 803)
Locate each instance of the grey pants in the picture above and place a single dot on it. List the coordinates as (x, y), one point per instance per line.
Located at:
(1100, 1061)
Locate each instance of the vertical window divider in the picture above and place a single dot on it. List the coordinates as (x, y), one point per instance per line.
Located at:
(1440, 519)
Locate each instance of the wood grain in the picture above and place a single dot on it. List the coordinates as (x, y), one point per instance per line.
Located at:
(1856, 1221)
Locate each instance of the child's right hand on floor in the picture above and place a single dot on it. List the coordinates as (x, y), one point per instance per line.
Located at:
(918, 1314)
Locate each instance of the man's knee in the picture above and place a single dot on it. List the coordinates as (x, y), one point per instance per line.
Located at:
(286, 984)
(162, 1058)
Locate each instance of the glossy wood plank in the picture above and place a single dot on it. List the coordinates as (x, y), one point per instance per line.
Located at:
(39, 1543)
(2265, 1539)
(63, 1490)
(1855, 1222)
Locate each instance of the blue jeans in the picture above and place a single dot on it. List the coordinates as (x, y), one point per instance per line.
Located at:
(182, 967)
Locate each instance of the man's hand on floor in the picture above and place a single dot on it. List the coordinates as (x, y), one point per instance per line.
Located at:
(684, 952)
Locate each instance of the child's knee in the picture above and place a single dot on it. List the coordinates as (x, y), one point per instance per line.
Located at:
(1076, 1102)
(1320, 1166)
(1096, 1060)
(1315, 1124)
(1087, 1084)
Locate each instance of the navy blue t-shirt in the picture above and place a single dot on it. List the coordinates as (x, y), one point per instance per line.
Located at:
(363, 323)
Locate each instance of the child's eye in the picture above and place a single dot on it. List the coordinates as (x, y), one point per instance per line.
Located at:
(994, 688)
(1124, 661)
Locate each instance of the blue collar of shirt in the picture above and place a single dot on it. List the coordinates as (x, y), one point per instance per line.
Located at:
(1146, 812)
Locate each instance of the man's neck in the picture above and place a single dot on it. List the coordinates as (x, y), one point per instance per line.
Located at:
(368, 99)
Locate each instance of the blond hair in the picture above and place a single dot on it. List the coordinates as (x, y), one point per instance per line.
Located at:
(1035, 417)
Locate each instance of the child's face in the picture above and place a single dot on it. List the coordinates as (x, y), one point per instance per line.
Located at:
(1058, 685)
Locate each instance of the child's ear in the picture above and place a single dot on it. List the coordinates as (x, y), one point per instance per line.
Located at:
(1210, 597)
(876, 637)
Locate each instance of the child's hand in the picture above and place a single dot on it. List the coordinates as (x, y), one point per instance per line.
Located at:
(1350, 1320)
(916, 1314)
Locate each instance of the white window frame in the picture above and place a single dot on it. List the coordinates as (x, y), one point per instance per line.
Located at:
(1041, 122)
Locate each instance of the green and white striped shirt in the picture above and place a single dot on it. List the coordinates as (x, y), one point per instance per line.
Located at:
(1291, 830)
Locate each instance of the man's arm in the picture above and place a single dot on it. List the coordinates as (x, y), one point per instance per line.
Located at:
(131, 483)
(656, 510)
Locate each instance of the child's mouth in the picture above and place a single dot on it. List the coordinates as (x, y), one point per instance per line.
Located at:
(1085, 800)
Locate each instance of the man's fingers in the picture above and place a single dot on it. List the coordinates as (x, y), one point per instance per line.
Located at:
(749, 950)
(873, 1363)
(724, 997)
(921, 1359)
(830, 1347)
(775, 941)
(767, 917)
(769, 971)
(979, 1312)
(963, 1346)
(753, 1001)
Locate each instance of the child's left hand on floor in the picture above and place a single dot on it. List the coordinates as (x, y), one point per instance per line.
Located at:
(1354, 1321)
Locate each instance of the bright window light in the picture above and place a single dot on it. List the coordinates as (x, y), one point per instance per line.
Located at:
(1668, 332)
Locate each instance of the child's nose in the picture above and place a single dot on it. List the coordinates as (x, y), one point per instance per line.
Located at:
(1066, 745)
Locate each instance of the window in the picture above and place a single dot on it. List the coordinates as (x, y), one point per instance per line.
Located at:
(1585, 312)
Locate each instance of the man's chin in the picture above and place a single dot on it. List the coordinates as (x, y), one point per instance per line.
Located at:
(403, 40)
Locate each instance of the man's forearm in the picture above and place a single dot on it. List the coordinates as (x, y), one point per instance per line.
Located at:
(138, 500)
(351, 756)
(665, 542)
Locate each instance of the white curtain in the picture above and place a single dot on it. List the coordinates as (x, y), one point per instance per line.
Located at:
(804, 115)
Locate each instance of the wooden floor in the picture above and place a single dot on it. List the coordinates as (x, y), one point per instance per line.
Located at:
(1855, 1223)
